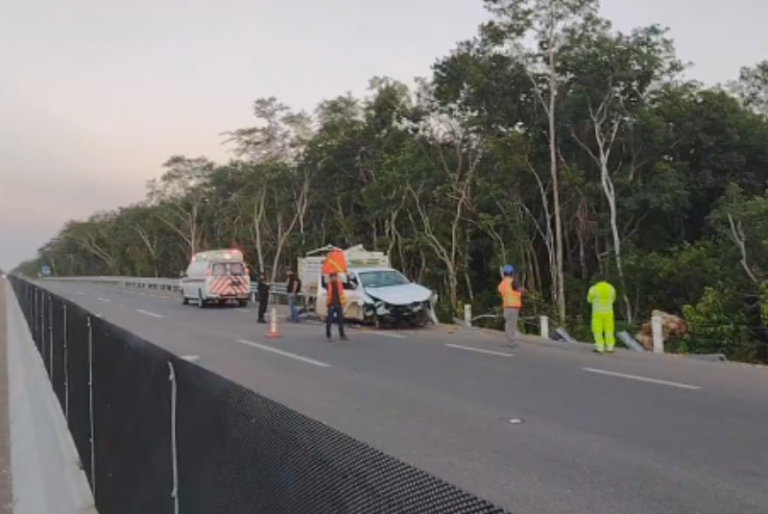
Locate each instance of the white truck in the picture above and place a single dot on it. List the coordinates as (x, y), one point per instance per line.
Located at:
(376, 293)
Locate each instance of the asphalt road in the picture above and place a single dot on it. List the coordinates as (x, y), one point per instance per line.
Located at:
(623, 434)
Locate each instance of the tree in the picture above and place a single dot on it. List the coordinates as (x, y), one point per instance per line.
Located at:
(182, 194)
(615, 78)
(752, 87)
(581, 151)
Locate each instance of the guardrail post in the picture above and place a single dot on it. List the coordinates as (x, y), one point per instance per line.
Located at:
(174, 455)
(50, 338)
(90, 405)
(658, 334)
(36, 315)
(66, 365)
(468, 315)
(544, 326)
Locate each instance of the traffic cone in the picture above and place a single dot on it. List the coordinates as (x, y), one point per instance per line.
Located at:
(274, 332)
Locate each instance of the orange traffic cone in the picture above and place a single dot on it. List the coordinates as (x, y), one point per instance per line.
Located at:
(274, 332)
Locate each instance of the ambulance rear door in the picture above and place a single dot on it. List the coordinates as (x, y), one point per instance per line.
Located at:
(227, 280)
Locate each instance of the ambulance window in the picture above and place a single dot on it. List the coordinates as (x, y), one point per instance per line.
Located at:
(219, 269)
(236, 269)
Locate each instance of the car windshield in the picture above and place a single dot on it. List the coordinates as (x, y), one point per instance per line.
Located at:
(382, 278)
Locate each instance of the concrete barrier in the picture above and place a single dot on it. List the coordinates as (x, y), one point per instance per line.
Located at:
(47, 474)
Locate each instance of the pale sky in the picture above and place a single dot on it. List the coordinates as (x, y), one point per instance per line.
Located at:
(96, 95)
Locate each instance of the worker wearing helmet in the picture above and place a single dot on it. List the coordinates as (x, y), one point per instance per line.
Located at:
(602, 296)
(335, 303)
(511, 297)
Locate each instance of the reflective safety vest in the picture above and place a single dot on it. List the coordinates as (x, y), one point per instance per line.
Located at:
(335, 262)
(339, 289)
(602, 296)
(510, 298)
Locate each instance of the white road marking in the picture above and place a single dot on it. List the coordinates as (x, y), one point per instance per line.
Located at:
(149, 313)
(191, 358)
(479, 350)
(79, 293)
(242, 310)
(284, 354)
(642, 379)
(105, 300)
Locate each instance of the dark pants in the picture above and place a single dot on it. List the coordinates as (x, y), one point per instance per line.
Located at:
(338, 313)
(263, 304)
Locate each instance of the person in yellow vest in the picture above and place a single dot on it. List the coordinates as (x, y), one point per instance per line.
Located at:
(512, 300)
(335, 301)
(602, 296)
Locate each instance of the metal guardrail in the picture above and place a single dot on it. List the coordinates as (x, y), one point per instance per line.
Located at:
(159, 284)
(280, 290)
(46, 470)
(630, 341)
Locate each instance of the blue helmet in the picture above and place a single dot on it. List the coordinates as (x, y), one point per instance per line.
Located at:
(508, 269)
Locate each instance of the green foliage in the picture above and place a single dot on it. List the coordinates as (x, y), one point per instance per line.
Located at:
(717, 324)
(659, 182)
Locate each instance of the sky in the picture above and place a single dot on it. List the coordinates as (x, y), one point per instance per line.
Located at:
(95, 95)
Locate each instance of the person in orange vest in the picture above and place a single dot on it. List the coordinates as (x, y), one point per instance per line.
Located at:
(335, 301)
(512, 300)
(335, 262)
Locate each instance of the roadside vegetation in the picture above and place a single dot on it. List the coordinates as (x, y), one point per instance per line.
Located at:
(584, 151)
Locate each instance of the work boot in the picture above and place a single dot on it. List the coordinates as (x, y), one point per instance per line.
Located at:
(344, 338)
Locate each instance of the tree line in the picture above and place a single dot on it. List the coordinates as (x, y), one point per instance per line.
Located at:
(584, 152)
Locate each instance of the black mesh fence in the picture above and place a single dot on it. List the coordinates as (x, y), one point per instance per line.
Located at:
(159, 435)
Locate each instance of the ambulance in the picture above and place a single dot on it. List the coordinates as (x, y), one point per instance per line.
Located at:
(216, 277)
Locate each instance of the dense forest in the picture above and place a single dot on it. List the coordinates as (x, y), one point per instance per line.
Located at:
(550, 140)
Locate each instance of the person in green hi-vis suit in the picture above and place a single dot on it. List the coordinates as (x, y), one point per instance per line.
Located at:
(602, 296)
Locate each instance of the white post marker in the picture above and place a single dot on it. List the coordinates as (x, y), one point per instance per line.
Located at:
(544, 326)
(468, 315)
(658, 334)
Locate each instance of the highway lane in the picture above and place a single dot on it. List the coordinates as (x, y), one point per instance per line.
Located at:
(589, 441)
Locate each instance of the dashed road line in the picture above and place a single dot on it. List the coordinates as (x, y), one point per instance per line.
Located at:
(388, 334)
(266, 348)
(153, 314)
(242, 310)
(478, 350)
(642, 379)
(105, 300)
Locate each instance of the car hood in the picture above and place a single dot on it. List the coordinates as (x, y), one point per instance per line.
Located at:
(400, 295)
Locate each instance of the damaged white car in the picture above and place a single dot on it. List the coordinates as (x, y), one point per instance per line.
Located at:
(384, 297)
